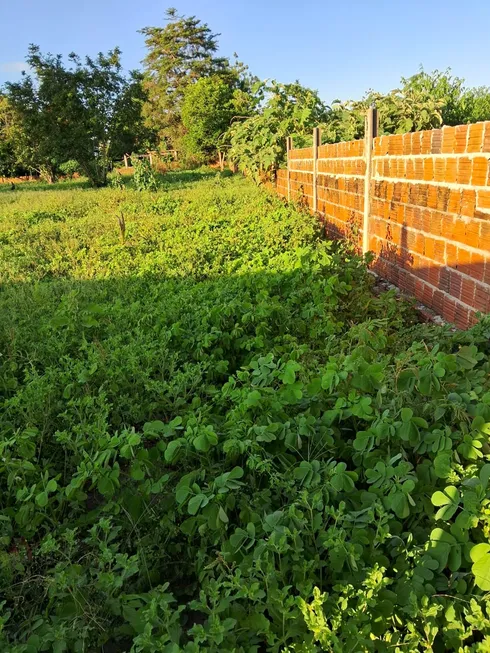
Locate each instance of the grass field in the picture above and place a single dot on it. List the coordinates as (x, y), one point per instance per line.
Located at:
(214, 436)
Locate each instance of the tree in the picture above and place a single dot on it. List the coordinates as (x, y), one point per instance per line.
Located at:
(207, 110)
(423, 101)
(131, 133)
(178, 55)
(77, 112)
(258, 143)
(8, 161)
(475, 104)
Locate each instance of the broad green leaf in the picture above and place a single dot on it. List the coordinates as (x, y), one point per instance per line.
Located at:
(223, 516)
(197, 502)
(479, 551)
(480, 555)
(172, 449)
(42, 499)
(51, 485)
(442, 465)
(406, 414)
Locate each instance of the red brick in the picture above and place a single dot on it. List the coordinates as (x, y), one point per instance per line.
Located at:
(475, 137)
(439, 169)
(451, 254)
(416, 143)
(479, 171)
(436, 141)
(464, 170)
(395, 145)
(423, 192)
(461, 317)
(432, 195)
(407, 143)
(448, 139)
(451, 170)
(454, 204)
(472, 234)
(486, 138)
(404, 193)
(482, 299)
(472, 319)
(464, 261)
(468, 291)
(442, 198)
(477, 262)
(434, 275)
(468, 203)
(429, 247)
(449, 311)
(439, 251)
(436, 223)
(484, 243)
(426, 142)
(428, 168)
(419, 169)
(461, 136)
(438, 301)
(418, 218)
(459, 231)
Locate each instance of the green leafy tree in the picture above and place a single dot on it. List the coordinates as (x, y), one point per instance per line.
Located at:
(132, 134)
(475, 104)
(208, 108)
(77, 112)
(179, 54)
(258, 143)
(8, 161)
(423, 101)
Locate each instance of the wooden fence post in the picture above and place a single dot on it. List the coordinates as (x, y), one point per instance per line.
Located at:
(289, 147)
(371, 125)
(316, 143)
(125, 160)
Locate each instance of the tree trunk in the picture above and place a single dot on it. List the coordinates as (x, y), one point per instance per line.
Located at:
(48, 175)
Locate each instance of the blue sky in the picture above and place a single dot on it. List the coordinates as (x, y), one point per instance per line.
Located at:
(339, 48)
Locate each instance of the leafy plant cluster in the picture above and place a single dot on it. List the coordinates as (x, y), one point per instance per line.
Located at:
(423, 101)
(81, 115)
(258, 144)
(214, 437)
(144, 177)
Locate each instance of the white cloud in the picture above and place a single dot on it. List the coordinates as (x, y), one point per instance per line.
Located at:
(13, 67)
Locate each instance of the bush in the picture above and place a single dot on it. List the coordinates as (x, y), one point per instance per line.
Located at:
(70, 168)
(144, 177)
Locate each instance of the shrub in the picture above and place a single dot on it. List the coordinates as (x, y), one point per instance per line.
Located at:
(144, 177)
(69, 168)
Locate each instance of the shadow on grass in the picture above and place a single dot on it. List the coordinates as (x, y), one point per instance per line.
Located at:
(152, 343)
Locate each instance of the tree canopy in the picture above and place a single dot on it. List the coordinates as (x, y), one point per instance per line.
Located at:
(86, 110)
(178, 54)
(258, 143)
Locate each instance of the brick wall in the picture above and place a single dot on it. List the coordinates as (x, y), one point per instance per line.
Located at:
(429, 217)
(340, 185)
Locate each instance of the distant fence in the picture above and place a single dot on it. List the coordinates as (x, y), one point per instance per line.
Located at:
(153, 157)
(419, 201)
